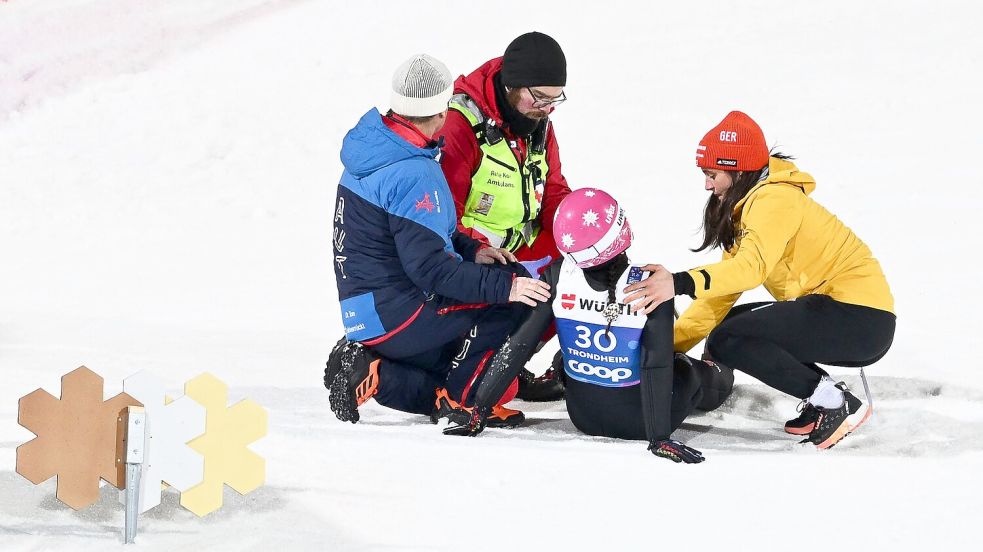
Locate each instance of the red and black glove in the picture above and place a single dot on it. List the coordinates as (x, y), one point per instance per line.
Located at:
(676, 451)
(471, 426)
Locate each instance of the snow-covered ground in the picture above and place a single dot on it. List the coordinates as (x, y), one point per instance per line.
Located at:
(167, 172)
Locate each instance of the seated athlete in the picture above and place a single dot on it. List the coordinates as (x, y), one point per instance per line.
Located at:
(620, 375)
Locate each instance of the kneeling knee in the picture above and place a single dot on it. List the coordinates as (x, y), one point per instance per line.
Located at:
(722, 345)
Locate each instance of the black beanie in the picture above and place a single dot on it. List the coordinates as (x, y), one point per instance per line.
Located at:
(534, 59)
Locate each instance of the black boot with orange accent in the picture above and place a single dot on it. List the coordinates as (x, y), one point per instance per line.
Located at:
(471, 421)
(333, 365)
(356, 381)
(505, 417)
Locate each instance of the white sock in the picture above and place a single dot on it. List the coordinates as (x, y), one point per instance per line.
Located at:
(827, 394)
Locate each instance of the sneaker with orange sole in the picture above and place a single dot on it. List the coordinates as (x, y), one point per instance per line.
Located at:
(833, 424)
(805, 422)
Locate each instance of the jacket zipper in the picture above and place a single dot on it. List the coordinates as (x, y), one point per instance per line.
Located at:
(466, 306)
(502, 163)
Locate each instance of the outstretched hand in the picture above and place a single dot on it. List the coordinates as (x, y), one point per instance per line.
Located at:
(645, 296)
(529, 291)
(491, 255)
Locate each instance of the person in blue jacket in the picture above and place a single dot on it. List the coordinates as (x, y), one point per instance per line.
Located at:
(412, 288)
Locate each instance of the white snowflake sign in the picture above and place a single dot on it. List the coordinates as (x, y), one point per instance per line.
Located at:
(170, 425)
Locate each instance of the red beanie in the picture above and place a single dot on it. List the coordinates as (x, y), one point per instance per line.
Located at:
(736, 144)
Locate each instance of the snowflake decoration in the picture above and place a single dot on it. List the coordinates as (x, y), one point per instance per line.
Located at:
(228, 431)
(170, 425)
(567, 240)
(589, 193)
(76, 437)
(590, 218)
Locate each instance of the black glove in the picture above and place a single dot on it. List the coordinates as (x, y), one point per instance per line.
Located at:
(470, 426)
(676, 451)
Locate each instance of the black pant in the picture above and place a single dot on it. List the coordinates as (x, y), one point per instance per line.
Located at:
(617, 411)
(780, 343)
(445, 346)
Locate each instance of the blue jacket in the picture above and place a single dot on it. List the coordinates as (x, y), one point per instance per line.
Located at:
(395, 240)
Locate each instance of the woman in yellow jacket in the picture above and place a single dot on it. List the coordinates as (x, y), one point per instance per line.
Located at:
(833, 304)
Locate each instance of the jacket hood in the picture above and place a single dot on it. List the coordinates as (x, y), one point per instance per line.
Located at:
(781, 172)
(371, 146)
(481, 88)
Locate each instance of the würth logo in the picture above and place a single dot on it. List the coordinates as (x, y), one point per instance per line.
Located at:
(425, 203)
(567, 300)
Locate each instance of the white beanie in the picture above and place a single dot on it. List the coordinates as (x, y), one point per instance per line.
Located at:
(422, 86)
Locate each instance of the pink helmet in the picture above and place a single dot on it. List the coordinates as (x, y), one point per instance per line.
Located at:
(590, 228)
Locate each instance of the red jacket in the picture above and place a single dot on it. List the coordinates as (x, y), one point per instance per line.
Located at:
(461, 156)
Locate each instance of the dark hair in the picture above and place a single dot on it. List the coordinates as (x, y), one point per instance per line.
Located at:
(420, 120)
(719, 226)
(607, 275)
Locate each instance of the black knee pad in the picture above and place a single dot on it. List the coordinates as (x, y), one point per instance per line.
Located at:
(717, 382)
(685, 380)
(687, 392)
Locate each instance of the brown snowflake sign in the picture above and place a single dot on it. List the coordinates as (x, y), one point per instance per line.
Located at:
(76, 437)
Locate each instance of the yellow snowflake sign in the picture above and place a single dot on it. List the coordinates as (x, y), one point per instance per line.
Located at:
(76, 437)
(228, 431)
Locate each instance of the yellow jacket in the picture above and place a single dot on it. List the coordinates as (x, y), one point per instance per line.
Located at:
(793, 246)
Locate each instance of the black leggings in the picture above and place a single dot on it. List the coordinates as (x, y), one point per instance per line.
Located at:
(617, 411)
(780, 343)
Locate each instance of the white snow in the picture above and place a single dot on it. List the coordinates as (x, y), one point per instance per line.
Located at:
(167, 173)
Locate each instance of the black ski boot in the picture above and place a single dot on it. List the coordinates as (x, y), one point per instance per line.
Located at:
(547, 387)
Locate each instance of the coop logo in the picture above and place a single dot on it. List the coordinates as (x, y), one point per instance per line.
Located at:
(615, 375)
(568, 300)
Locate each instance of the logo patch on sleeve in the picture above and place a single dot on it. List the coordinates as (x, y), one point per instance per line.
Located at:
(425, 203)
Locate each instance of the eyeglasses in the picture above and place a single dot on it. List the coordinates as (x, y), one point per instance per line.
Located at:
(538, 101)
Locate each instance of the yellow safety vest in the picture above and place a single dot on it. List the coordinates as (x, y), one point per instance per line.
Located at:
(504, 201)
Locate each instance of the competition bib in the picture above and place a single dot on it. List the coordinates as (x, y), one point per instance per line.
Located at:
(590, 353)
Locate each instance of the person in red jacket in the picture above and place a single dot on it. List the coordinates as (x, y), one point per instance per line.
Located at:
(502, 161)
